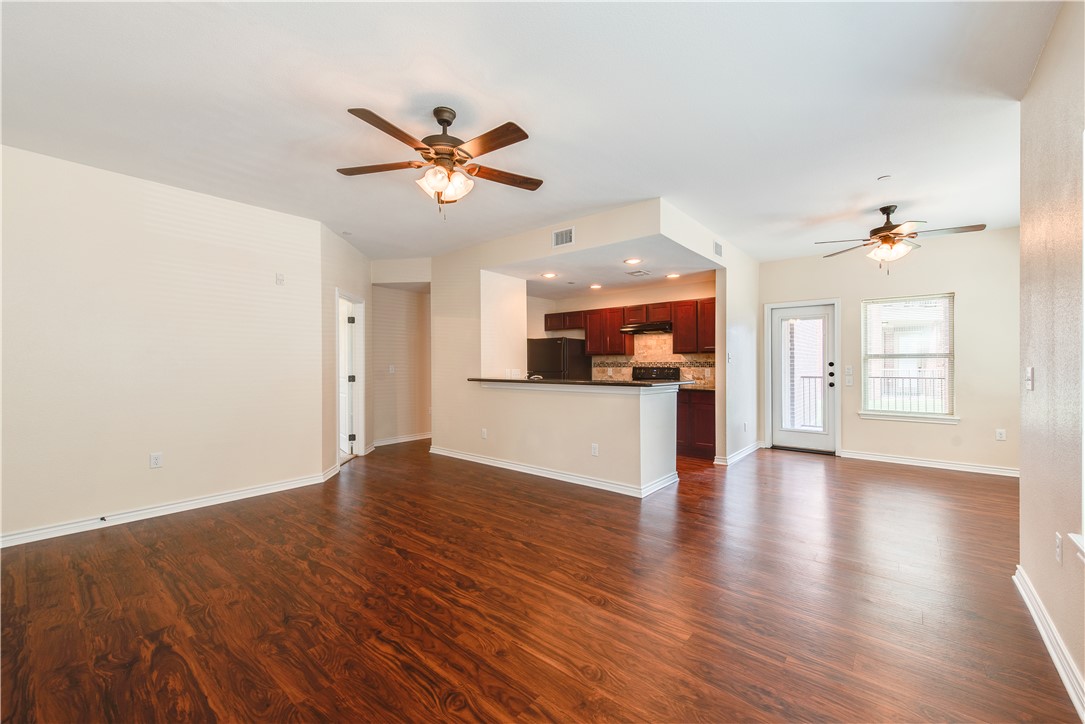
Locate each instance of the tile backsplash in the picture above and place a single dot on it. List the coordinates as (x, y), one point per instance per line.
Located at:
(654, 350)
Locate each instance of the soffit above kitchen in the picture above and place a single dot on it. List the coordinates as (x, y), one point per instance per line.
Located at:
(576, 270)
(768, 123)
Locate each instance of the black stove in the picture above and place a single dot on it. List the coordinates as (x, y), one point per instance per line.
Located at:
(660, 374)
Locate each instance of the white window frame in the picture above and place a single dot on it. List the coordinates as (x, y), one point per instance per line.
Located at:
(946, 418)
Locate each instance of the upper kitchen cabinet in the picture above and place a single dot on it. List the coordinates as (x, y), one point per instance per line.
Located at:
(574, 320)
(557, 321)
(636, 314)
(602, 333)
(684, 323)
(659, 312)
(706, 325)
(694, 322)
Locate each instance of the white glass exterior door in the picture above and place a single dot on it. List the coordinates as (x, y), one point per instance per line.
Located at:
(805, 378)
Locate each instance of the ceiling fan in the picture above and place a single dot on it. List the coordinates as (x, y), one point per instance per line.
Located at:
(450, 177)
(892, 241)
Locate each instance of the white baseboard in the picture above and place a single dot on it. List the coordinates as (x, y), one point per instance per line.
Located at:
(662, 482)
(738, 454)
(330, 473)
(129, 516)
(923, 463)
(1056, 648)
(401, 438)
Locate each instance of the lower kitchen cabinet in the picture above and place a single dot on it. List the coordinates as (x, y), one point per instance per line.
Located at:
(696, 423)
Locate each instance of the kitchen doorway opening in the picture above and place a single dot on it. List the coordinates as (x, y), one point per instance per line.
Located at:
(803, 376)
(350, 374)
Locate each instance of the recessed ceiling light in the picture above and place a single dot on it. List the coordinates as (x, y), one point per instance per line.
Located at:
(596, 286)
(633, 260)
(548, 275)
(673, 276)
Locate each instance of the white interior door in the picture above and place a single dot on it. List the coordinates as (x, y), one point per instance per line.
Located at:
(804, 377)
(346, 376)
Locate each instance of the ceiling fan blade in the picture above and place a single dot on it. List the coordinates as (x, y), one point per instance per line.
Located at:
(504, 135)
(504, 177)
(955, 229)
(377, 168)
(908, 227)
(845, 251)
(841, 241)
(912, 244)
(395, 132)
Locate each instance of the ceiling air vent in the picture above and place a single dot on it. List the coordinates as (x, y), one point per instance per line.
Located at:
(639, 273)
(562, 237)
(718, 248)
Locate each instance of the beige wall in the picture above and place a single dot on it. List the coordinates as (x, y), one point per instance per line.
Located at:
(982, 270)
(400, 271)
(537, 309)
(345, 270)
(503, 323)
(142, 318)
(399, 338)
(1052, 113)
(628, 296)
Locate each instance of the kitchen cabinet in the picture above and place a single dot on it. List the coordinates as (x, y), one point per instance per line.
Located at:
(636, 314)
(557, 321)
(695, 431)
(659, 312)
(684, 321)
(602, 332)
(706, 325)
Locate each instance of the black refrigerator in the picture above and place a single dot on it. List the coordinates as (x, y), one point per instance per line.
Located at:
(558, 358)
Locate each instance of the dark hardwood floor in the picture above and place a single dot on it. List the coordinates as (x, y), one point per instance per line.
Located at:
(416, 587)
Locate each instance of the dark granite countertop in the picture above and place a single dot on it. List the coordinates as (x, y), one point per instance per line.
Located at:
(598, 383)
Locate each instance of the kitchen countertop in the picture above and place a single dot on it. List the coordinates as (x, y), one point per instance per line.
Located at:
(600, 383)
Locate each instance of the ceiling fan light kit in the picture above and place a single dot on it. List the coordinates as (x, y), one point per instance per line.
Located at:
(449, 177)
(894, 241)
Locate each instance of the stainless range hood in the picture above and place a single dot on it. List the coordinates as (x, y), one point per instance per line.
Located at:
(647, 328)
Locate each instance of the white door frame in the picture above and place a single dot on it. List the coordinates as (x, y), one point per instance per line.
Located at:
(359, 374)
(767, 367)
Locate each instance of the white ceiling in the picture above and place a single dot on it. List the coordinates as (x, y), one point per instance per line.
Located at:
(766, 122)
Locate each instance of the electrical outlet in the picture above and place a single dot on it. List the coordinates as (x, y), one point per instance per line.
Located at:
(595, 449)
(1000, 435)
(483, 433)
(280, 280)
(1030, 378)
(1058, 548)
(610, 371)
(391, 369)
(155, 460)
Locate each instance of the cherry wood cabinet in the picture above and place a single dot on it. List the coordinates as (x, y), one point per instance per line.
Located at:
(684, 321)
(706, 325)
(573, 320)
(696, 423)
(602, 332)
(557, 321)
(694, 323)
(636, 314)
(659, 312)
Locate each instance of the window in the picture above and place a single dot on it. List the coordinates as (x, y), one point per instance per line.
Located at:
(908, 356)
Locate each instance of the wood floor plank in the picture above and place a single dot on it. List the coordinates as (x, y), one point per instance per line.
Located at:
(413, 587)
